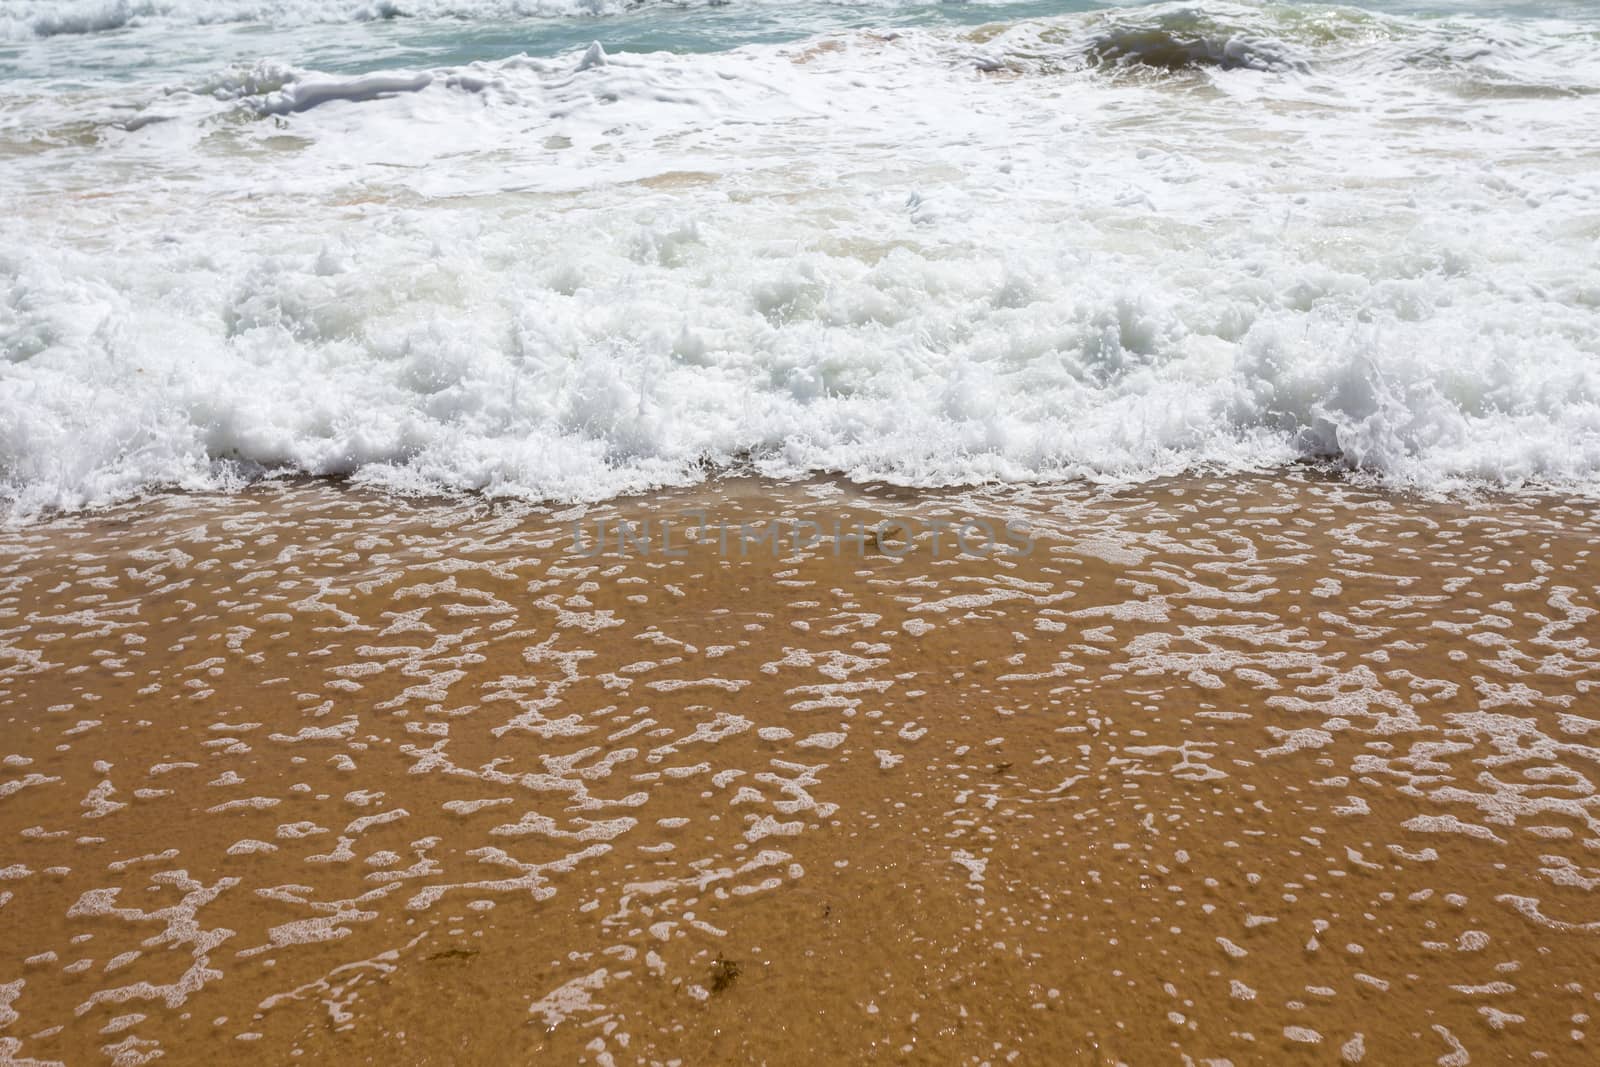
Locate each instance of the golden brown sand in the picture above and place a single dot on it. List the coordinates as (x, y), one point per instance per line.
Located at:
(1251, 770)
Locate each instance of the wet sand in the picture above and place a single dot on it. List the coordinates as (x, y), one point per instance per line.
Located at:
(1258, 770)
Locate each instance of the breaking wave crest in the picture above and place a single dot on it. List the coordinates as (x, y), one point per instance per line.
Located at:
(1279, 38)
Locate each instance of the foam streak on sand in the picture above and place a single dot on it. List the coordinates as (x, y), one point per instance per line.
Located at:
(340, 775)
(1111, 244)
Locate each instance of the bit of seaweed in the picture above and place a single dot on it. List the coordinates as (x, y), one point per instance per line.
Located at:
(453, 954)
(724, 973)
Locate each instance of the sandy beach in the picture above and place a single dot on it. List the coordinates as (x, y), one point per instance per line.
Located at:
(1242, 769)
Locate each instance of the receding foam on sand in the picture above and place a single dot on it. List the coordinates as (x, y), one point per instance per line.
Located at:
(1222, 769)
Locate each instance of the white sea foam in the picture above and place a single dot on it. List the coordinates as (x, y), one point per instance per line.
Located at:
(1108, 245)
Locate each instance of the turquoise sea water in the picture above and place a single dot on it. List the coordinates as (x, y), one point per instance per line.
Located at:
(105, 38)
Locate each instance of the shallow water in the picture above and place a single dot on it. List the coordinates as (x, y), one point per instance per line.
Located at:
(1233, 768)
(929, 243)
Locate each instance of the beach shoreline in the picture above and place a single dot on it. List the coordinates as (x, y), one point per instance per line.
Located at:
(692, 531)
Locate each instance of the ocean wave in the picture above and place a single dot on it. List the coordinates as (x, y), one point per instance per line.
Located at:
(1251, 35)
(872, 254)
(22, 20)
(1190, 37)
(1281, 38)
(1471, 57)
